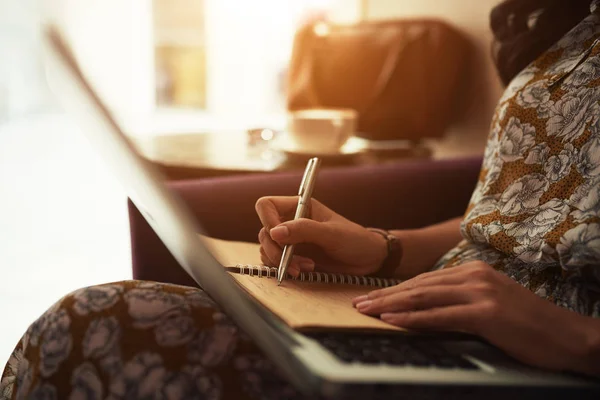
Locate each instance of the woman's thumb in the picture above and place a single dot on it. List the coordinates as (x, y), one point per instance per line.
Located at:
(302, 230)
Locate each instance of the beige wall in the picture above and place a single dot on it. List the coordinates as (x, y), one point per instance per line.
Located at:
(472, 17)
(112, 42)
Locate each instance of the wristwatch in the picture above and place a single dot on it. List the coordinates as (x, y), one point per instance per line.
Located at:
(394, 254)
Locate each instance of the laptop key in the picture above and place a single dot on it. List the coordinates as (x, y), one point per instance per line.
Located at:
(391, 350)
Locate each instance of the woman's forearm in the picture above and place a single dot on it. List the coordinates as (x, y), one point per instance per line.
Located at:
(424, 246)
(588, 358)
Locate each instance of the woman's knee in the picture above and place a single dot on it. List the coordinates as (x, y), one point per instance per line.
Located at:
(94, 318)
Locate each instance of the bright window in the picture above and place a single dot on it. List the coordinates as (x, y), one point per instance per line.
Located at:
(229, 57)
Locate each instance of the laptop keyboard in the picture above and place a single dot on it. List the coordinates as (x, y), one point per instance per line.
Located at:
(396, 350)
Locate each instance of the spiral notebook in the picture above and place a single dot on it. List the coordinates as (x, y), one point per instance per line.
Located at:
(313, 301)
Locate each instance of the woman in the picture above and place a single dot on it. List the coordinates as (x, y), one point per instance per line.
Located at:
(521, 269)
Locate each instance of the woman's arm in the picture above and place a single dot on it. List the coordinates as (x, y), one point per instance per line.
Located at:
(421, 248)
(335, 244)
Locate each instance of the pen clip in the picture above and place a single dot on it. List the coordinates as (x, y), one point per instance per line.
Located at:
(307, 174)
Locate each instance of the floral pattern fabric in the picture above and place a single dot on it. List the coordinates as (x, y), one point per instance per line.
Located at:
(139, 340)
(535, 212)
(535, 215)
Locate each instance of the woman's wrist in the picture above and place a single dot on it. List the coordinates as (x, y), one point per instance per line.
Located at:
(391, 252)
(380, 248)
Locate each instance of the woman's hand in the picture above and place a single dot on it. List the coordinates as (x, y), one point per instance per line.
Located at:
(477, 299)
(327, 240)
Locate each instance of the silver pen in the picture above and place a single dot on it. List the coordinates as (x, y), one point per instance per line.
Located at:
(304, 195)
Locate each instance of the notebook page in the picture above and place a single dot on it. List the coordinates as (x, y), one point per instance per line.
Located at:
(302, 305)
(307, 305)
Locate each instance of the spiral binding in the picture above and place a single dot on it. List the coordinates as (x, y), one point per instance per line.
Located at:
(319, 277)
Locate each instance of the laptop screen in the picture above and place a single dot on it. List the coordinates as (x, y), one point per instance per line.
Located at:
(165, 212)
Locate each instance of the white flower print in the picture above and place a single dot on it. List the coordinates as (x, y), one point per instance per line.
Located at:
(538, 154)
(583, 74)
(523, 195)
(148, 306)
(568, 62)
(35, 329)
(571, 113)
(536, 95)
(586, 200)
(555, 167)
(517, 139)
(474, 251)
(17, 364)
(589, 158)
(192, 382)
(517, 83)
(494, 169)
(96, 298)
(210, 386)
(86, 383)
(176, 327)
(56, 342)
(101, 337)
(484, 206)
(548, 216)
(199, 298)
(477, 234)
(558, 166)
(580, 247)
(168, 313)
(143, 376)
(149, 285)
(501, 113)
(480, 233)
(24, 375)
(491, 149)
(573, 40)
(535, 252)
(213, 347)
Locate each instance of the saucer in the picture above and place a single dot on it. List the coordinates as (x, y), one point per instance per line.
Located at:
(353, 146)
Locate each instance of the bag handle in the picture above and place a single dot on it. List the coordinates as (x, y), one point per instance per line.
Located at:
(387, 71)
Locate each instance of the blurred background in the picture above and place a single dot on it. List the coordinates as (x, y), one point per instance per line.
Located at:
(163, 67)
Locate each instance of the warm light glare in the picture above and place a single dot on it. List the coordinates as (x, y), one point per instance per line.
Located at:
(321, 29)
(266, 134)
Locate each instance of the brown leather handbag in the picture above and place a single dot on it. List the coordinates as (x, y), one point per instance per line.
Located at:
(401, 76)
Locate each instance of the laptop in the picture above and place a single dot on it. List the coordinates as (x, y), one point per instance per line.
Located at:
(328, 364)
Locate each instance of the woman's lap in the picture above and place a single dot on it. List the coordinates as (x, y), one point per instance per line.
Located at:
(138, 339)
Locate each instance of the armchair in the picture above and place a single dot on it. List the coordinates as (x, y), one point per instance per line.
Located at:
(410, 194)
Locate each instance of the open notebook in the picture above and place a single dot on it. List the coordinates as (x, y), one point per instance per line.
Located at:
(312, 302)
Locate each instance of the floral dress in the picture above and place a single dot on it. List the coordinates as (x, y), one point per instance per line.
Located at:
(535, 215)
(535, 212)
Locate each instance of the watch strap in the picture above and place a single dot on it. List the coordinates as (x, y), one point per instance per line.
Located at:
(394, 254)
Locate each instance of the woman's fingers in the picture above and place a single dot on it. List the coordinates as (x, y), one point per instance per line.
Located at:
(443, 280)
(452, 318)
(269, 213)
(304, 230)
(273, 210)
(447, 276)
(421, 298)
(269, 247)
(271, 252)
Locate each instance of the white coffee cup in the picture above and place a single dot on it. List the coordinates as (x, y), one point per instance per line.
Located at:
(321, 130)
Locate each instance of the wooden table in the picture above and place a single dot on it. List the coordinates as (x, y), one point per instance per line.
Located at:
(192, 156)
